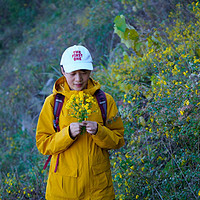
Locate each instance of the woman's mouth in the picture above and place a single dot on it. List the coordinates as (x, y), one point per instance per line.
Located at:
(78, 85)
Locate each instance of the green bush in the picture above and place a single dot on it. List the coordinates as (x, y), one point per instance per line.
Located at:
(153, 75)
(21, 174)
(160, 80)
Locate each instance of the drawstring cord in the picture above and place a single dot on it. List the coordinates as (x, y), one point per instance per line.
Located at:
(57, 161)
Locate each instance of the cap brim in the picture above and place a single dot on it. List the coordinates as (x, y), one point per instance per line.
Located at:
(78, 66)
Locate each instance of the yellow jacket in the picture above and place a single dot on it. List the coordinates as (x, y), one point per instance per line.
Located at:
(84, 168)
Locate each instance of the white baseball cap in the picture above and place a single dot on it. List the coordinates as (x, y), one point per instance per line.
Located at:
(76, 58)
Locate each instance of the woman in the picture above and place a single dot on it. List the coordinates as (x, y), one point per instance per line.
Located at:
(83, 170)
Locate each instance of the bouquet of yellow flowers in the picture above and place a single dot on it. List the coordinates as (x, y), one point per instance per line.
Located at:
(79, 105)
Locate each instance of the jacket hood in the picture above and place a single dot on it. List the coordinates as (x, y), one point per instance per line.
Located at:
(61, 86)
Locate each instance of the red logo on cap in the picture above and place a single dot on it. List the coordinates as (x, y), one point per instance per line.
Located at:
(77, 55)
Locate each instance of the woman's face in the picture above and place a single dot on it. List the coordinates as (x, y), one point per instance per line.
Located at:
(77, 80)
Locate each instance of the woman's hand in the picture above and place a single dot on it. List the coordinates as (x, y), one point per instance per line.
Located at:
(75, 129)
(91, 127)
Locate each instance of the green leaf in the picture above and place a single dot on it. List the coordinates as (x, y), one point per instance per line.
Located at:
(136, 87)
(128, 43)
(138, 46)
(125, 87)
(149, 41)
(142, 121)
(119, 33)
(120, 23)
(131, 34)
(126, 58)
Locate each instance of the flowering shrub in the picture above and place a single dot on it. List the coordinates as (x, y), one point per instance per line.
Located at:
(14, 187)
(25, 179)
(160, 81)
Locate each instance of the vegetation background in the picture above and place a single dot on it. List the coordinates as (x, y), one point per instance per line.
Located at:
(147, 55)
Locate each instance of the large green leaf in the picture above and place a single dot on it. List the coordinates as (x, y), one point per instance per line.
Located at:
(131, 34)
(120, 23)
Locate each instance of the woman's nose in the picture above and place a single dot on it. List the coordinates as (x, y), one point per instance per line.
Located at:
(78, 77)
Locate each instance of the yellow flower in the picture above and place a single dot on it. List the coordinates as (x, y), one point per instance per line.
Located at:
(142, 168)
(77, 101)
(182, 112)
(8, 191)
(188, 119)
(86, 106)
(89, 112)
(137, 196)
(127, 191)
(186, 86)
(186, 102)
(159, 157)
(132, 167)
(185, 73)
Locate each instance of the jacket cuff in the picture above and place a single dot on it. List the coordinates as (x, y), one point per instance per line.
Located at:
(64, 139)
(100, 132)
(70, 135)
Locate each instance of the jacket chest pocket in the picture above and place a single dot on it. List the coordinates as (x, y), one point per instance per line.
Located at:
(101, 176)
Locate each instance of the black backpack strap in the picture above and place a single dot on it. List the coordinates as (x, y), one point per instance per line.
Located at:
(58, 103)
(102, 101)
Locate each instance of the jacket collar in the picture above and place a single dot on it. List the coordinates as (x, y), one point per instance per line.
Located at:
(62, 87)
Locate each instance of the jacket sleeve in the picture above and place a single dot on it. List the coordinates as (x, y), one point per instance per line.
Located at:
(110, 136)
(48, 141)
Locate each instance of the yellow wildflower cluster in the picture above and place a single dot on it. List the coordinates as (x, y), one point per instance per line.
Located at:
(80, 105)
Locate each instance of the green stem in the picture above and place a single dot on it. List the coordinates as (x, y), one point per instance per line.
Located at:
(83, 129)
